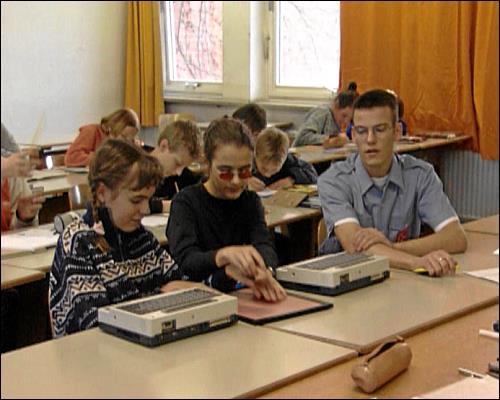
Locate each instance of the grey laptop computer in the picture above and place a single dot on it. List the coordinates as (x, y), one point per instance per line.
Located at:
(167, 317)
(334, 274)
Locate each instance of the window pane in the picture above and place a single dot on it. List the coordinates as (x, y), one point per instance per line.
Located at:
(195, 41)
(308, 43)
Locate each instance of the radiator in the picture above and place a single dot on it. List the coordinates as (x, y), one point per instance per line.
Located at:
(471, 183)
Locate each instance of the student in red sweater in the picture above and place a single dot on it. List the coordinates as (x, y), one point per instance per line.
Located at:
(122, 123)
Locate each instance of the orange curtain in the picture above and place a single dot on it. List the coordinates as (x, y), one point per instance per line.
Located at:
(440, 57)
(144, 78)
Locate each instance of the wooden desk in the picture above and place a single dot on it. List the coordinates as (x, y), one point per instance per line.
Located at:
(479, 254)
(316, 154)
(483, 225)
(242, 360)
(276, 215)
(404, 304)
(14, 276)
(61, 184)
(437, 353)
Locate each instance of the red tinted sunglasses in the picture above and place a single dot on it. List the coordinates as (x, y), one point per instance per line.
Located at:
(226, 175)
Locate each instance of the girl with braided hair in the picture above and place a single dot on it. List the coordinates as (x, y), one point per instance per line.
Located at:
(111, 257)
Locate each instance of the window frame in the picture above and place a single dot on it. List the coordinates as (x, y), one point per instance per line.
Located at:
(187, 87)
(252, 75)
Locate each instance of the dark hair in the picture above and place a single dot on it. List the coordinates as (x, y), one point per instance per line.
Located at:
(378, 98)
(347, 97)
(253, 115)
(401, 108)
(225, 131)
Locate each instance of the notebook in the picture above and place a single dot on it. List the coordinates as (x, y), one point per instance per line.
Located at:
(259, 312)
(285, 198)
(334, 274)
(166, 317)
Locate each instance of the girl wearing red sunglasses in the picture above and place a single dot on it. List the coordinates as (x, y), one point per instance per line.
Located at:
(217, 230)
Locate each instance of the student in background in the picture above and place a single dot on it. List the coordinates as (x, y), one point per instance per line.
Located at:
(114, 259)
(274, 167)
(375, 201)
(254, 117)
(324, 124)
(178, 146)
(216, 230)
(122, 123)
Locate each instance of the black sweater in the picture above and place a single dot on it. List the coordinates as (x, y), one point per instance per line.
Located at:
(166, 190)
(200, 224)
(301, 171)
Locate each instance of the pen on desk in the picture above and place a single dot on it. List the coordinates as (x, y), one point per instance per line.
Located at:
(468, 372)
(176, 187)
(489, 334)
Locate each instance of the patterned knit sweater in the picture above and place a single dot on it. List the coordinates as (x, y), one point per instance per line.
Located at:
(84, 278)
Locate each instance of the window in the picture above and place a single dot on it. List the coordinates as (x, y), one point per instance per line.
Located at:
(193, 45)
(245, 51)
(307, 44)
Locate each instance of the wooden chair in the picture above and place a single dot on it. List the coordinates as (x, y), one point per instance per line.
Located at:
(79, 196)
(321, 234)
(165, 119)
(54, 160)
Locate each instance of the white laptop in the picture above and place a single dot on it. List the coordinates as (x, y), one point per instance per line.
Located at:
(167, 317)
(334, 273)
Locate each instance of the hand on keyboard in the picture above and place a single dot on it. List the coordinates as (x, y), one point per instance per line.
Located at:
(364, 238)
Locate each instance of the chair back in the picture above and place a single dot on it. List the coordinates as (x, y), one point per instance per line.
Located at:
(79, 196)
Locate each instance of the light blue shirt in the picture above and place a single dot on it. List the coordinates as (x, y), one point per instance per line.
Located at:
(413, 194)
(319, 124)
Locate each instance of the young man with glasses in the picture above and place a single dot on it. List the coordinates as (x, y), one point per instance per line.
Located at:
(216, 230)
(375, 201)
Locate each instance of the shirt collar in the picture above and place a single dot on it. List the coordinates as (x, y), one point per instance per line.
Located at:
(366, 182)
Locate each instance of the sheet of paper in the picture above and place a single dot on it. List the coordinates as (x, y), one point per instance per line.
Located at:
(155, 220)
(490, 274)
(39, 174)
(266, 193)
(30, 239)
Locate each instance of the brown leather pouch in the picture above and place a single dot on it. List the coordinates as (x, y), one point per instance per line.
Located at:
(382, 364)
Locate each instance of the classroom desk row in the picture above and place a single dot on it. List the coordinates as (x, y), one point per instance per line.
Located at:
(317, 154)
(307, 356)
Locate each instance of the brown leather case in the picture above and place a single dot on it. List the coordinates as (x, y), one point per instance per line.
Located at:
(382, 364)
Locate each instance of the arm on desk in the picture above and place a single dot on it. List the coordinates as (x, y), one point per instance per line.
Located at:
(354, 238)
(451, 238)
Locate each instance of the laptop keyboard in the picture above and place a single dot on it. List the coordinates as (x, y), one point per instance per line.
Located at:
(172, 302)
(341, 260)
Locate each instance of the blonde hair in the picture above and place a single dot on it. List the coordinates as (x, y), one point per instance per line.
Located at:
(116, 122)
(271, 145)
(182, 134)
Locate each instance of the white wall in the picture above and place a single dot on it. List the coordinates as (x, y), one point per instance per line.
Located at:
(63, 65)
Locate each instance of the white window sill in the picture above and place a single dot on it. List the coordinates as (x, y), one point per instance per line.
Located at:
(267, 103)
